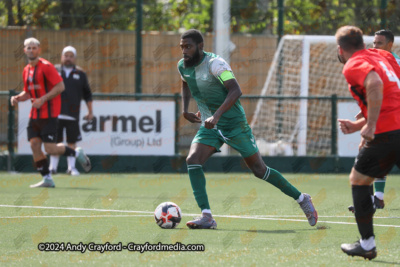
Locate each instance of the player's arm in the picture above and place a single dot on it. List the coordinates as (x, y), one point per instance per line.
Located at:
(348, 126)
(374, 86)
(234, 92)
(23, 96)
(193, 118)
(89, 116)
(55, 91)
(87, 95)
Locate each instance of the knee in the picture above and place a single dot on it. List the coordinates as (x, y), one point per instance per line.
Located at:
(191, 160)
(359, 179)
(50, 149)
(35, 145)
(259, 171)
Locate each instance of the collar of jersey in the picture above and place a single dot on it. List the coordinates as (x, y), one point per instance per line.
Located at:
(201, 61)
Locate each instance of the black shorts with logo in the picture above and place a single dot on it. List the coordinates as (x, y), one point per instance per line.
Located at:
(377, 158)
(45, 129)
(72, 130)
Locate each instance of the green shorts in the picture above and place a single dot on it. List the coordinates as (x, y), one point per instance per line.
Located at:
(240, 138)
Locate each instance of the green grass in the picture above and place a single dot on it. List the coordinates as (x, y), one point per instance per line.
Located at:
(276, 240)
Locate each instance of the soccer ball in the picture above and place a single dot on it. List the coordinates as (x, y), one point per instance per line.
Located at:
(168, 215)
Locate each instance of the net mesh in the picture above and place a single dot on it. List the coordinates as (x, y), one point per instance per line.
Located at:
(276, 121)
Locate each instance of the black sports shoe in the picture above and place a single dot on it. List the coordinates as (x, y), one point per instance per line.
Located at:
(351, 208)
(355, 249)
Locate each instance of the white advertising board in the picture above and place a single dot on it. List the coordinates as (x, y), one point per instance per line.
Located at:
(348, 143)
(118, 128)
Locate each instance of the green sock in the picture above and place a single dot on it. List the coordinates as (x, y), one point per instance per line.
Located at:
(380, 185)
(198, 181)
(276, 179)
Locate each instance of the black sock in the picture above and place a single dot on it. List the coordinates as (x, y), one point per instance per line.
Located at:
(69, 152)
(43, 166)
(364, 210)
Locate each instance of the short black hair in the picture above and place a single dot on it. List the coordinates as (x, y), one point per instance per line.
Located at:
(387, 33)
(195, 35)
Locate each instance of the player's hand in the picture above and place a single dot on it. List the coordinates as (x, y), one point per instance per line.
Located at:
(210, 122)
(359, 115)
(14, 100)
(88, 117)
(347, 126)
(193, 118)
(37, 102)
(367, 132)
(362, 143)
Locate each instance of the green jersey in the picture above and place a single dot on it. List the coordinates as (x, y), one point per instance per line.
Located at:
(207, 88)
(396, 57)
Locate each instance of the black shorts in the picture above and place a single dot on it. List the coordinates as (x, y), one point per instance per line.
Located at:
(72, 130)
(377, 158)
(45, 129)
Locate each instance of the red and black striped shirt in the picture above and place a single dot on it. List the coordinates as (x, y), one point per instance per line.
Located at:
(38, 81)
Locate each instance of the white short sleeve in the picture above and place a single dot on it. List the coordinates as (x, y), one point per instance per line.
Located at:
(218, 65)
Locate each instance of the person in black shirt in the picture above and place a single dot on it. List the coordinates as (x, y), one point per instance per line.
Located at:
(76, 88)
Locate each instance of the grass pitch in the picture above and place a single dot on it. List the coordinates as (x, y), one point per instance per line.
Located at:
(257, 224)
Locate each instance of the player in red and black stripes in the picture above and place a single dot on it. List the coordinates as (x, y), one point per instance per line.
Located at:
(43, 85)
(375, 86)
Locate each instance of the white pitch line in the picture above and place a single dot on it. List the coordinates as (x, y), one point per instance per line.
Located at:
(186, 214)
(77, 209)
(75, 216)
(256, 217)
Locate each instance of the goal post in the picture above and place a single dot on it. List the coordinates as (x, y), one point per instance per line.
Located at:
(303, 66)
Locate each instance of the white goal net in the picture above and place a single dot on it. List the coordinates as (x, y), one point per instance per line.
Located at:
(303, 66)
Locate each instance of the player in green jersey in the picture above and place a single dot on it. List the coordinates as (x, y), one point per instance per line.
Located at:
(210, 81)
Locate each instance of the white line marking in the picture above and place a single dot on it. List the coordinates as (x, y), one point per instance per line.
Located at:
(253, 217)
(77, 209)
(75, 216)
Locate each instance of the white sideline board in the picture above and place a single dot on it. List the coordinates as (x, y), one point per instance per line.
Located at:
(348, 143)
(119, 128)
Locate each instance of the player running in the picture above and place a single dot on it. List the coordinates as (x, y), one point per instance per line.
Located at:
(210, 80)
(383, 42)
(43, 85)
(374, 84)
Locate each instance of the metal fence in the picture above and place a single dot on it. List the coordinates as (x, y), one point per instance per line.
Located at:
(318, 144)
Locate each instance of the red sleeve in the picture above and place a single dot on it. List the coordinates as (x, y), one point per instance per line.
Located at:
(52, 75)
(24, 80)
(355, 72)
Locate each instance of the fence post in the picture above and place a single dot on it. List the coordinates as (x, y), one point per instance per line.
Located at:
(177, 116)
(10, 132)
(334, 147)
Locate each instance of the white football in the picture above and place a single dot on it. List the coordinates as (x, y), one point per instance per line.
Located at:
(168, 215)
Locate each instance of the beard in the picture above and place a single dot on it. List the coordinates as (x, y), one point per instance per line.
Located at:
(68, 64)
(341, 58)
(32, 58)
(193, 60)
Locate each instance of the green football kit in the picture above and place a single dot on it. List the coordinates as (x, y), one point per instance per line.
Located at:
(205, 82)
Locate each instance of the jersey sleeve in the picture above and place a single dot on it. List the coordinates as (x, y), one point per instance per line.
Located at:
(356, 71)
(221, 69)
(24, 78)
(179, 70)
(52, 75)
(87, 93)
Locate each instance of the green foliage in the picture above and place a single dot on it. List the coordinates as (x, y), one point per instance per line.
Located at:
(247, 16)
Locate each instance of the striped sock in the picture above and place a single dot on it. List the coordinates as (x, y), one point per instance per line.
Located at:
(276, 179)
(198, 181)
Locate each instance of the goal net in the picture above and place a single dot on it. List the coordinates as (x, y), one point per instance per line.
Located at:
(303, 66)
